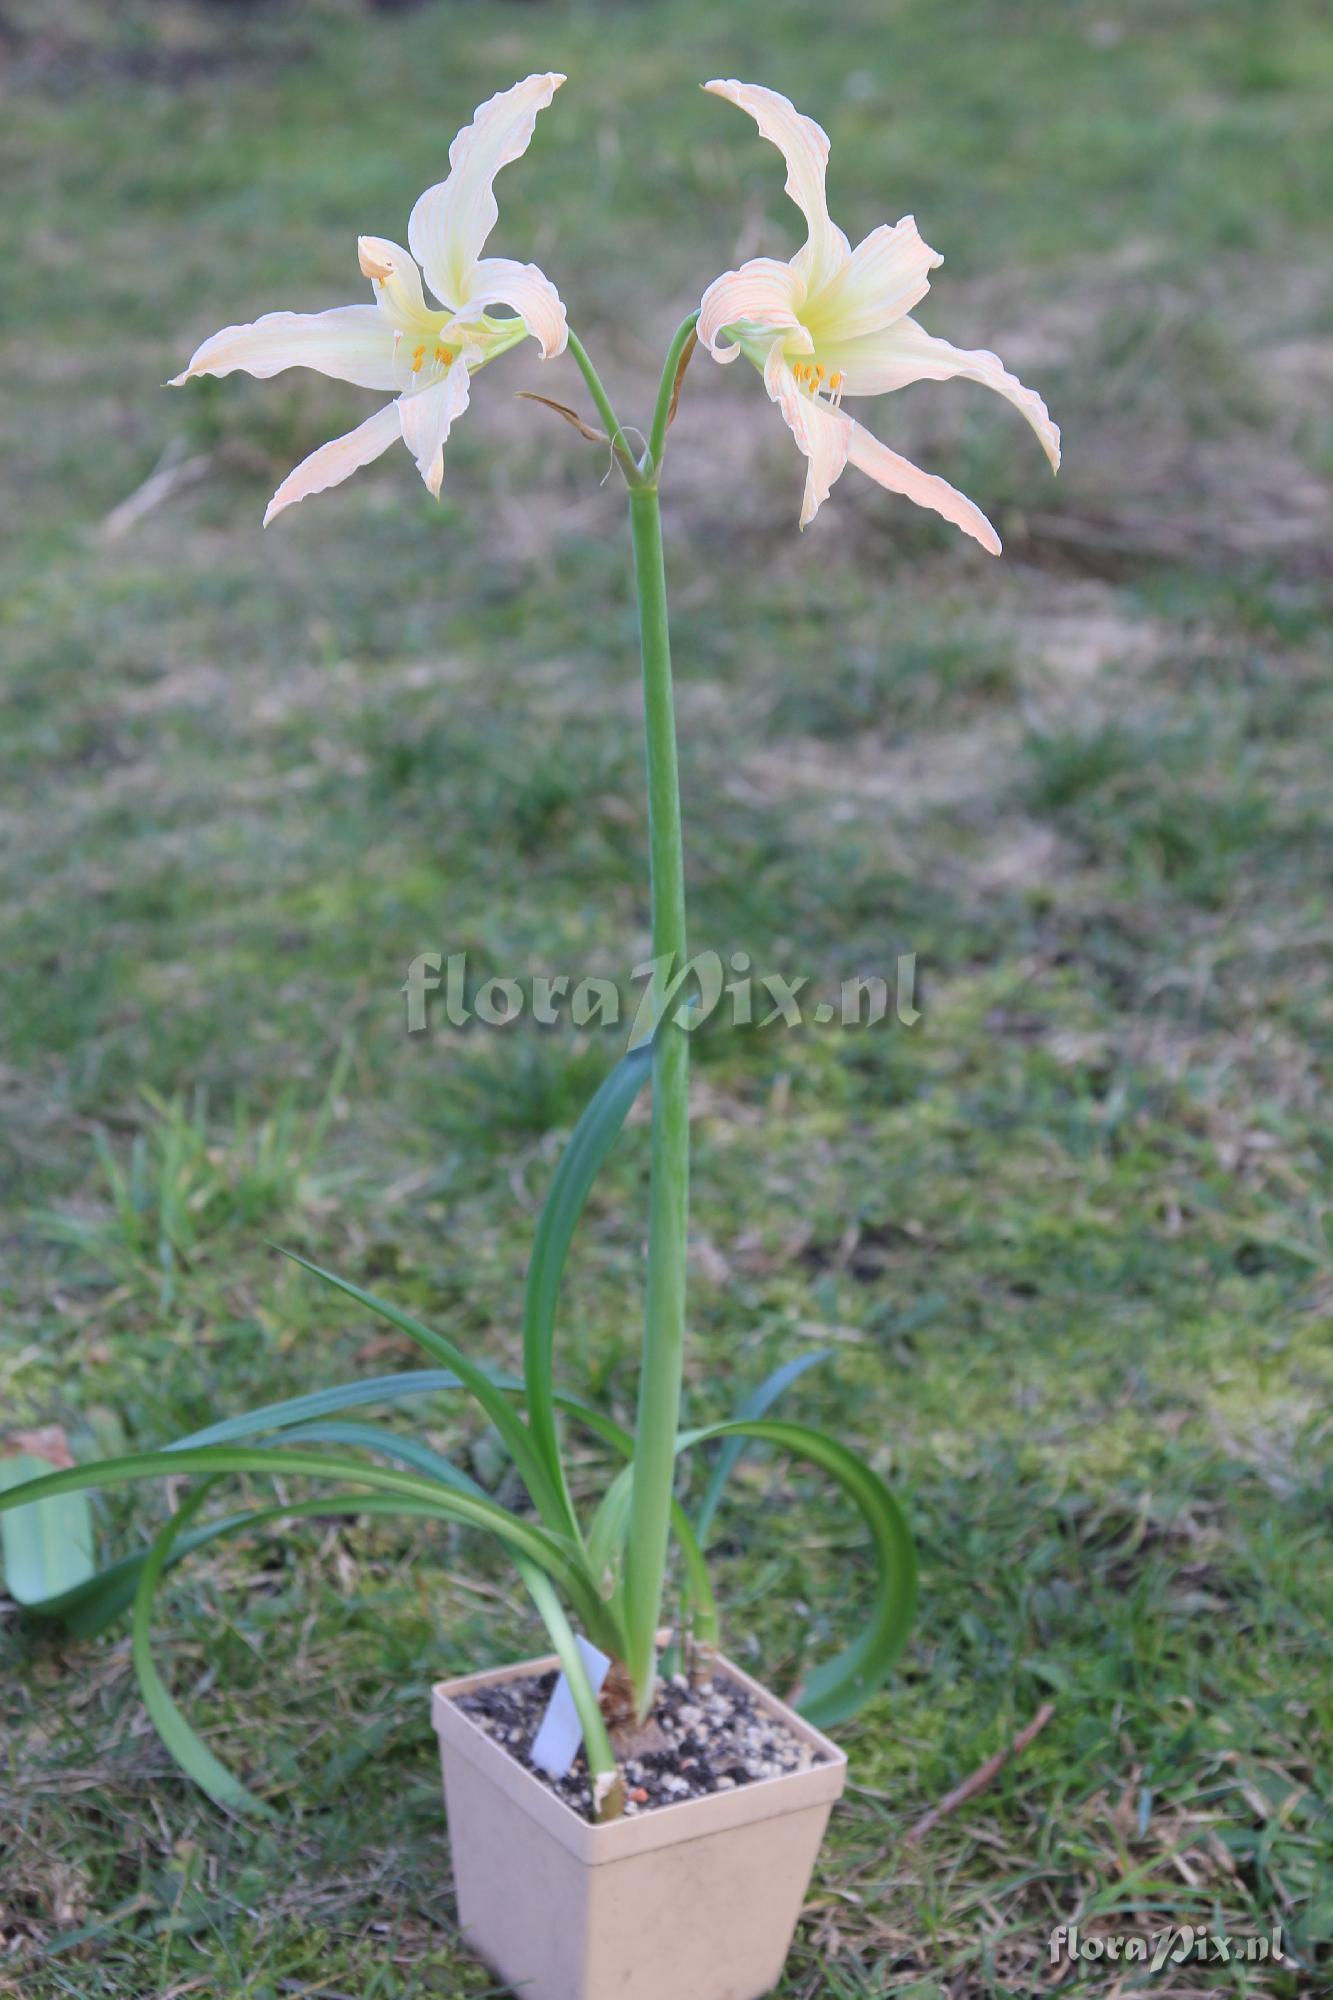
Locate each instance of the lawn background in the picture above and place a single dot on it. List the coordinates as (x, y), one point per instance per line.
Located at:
(1067, 1238)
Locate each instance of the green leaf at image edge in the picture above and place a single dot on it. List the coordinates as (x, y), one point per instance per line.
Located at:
(46, 1547)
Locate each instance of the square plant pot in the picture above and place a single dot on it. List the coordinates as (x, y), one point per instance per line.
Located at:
(693, 1901)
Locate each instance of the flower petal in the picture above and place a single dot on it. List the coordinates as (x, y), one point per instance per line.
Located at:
(351, 343)
(885, 276)
(426, 416)
(397, 282)
(899, 475)
(501, 281)
(905, 353)
(805, 147)
(762, 295)
(337, 460)
(831, 441)
(452, 220)
(822, 433)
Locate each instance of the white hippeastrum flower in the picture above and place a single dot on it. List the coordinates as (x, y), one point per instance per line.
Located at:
(401, 343)
(835, 322)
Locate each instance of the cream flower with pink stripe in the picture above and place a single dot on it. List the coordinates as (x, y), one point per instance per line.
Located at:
(425, 354)
(835, 322)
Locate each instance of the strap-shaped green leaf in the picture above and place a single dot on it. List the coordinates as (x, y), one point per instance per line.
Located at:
(701, 1605)
(95, 1604)
(589, 1145)
(607, 1790)
(189, 1752)
(606, 1538)
(46, 1546)
(182, 1744)
(840, 1686)
(548, 1495)
(756, 1404)
(327, 1403)
(404, 1450)
(551, 1552)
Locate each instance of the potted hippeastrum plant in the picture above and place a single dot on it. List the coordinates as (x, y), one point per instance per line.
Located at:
(621, 1858)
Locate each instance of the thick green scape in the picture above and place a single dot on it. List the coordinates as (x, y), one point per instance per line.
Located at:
(1066, 1238)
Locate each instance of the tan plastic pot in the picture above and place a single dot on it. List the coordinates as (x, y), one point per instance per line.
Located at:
(696, 1901)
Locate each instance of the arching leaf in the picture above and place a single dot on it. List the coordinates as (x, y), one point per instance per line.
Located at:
(325, 1403)
(404, 1450)
(184, 1745)
(188, 1750)
(551, 1552)
(95, 1604)
(840, 1686)
(548, 1497)
(756, 1404)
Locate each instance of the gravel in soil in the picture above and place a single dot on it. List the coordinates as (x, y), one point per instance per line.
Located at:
(709, 1738)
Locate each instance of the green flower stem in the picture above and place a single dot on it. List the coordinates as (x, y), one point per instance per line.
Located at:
(665, 389)
(620, 444)
(668, 1201)
(652, 1497)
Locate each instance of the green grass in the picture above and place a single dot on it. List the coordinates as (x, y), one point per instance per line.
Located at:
(1067, 1237)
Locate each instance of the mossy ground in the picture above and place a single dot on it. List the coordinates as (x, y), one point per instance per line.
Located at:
(1067, 1237)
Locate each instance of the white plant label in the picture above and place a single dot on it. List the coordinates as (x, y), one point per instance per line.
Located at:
(557, 1741)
